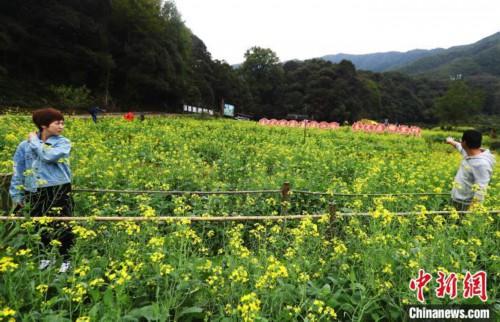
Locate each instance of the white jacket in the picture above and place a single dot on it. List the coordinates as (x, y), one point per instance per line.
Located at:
(473, 176)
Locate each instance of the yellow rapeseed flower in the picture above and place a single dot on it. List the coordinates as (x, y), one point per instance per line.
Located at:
(6, 312)
(42, 288)
(249, 307)
(7, 264)
(239, 275)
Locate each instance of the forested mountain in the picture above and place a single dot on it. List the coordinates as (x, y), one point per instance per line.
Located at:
(477, 64)
(480, 58)
(139, 55)
(127, 53)
(380, 62)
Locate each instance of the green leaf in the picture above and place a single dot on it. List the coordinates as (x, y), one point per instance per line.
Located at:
(55, 318)
(190, 310)
(108, 298)
(149, 312)
(94, 311)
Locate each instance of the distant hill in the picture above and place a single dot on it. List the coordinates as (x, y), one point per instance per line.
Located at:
(478, 64)
(478, 59)
(380, 62)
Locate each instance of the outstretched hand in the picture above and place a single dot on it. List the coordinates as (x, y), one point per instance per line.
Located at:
(450, 140)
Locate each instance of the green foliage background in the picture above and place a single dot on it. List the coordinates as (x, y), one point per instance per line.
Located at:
(139, 55)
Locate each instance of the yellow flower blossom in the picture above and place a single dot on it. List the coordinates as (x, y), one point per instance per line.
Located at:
(42, 288)
(83, 319)
(6, 312)
(7, 264)
(166, 269)
(239, 275)
(156, 241)
(156, 257)
(83, 233)
(55, 243)
(96, 282)
(24, 252)
(76, 293)
(249, 307)
(274, 271)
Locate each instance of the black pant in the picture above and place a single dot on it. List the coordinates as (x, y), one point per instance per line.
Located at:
(53, 201)
(460, 205)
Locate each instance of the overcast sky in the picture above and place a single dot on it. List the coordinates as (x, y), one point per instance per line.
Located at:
(304, 29)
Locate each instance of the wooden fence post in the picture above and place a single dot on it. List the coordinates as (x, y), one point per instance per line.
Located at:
(5, 202)
(332, 210)
(285, 197)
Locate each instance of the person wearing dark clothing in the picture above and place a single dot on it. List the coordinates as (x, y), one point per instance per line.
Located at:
(94, 111)
(52, 201)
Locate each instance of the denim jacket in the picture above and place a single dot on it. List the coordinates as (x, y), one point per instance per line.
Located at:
(38, 164)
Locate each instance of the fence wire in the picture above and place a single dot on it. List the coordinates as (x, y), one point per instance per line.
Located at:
(230, 218)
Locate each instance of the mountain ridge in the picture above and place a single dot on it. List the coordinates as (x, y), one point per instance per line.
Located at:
(382, 61)
(479, 58)
(417, 61)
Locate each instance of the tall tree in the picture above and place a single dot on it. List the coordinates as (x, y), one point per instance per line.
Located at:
(230, 85)
(264, 75)
(151, 46)
(201, 76)
(459, 103)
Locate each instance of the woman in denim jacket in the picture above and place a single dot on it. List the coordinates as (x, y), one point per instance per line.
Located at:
(41, 183)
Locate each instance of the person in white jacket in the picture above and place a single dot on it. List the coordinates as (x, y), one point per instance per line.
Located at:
(474, 173)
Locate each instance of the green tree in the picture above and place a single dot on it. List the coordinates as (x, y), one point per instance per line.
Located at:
(459, 103)
(151, 46)
(229, 84)
(264, 75)
(199, 89)
(71, 97)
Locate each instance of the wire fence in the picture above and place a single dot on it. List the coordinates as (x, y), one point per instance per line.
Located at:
(388, 194)
(285, 193)
(285, 189)
(299, 200)
(177, 192)
(242, 192)
(229, 218)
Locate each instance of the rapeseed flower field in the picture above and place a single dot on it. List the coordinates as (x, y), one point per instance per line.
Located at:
(253, 271)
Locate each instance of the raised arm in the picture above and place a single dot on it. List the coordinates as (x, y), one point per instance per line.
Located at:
(457, 145)
(50, 153)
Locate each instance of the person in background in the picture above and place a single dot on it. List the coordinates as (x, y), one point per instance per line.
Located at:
(94, 111)
(41, 182)
(474, 173)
